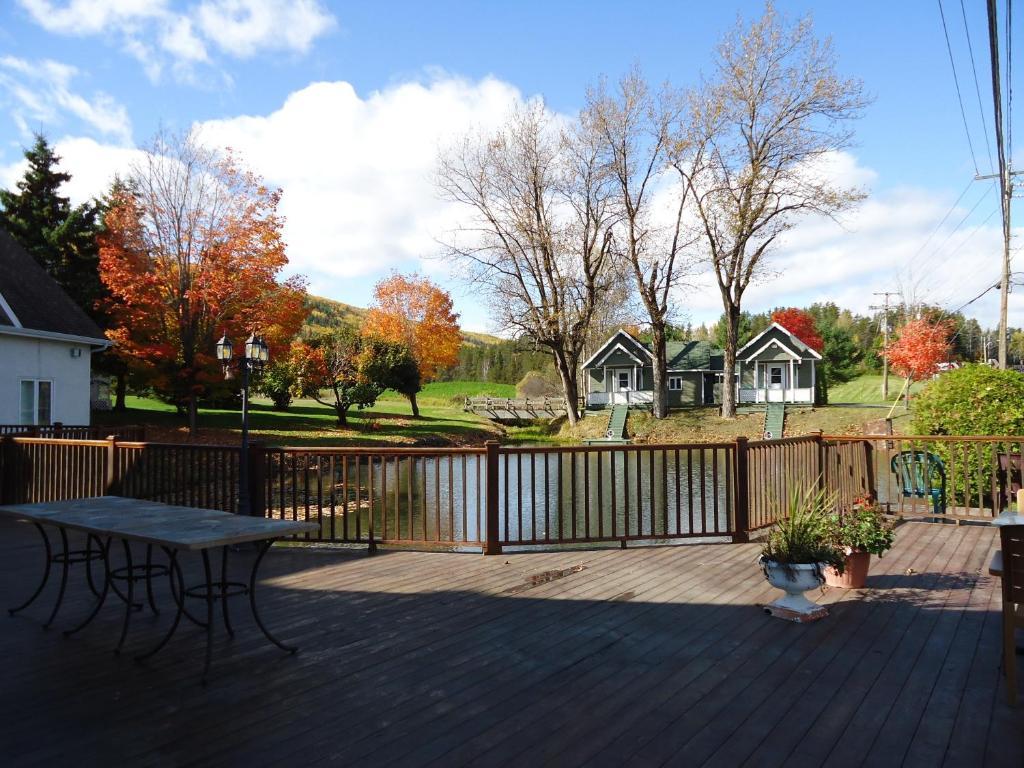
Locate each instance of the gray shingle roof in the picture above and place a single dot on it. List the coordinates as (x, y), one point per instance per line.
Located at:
(38, 302)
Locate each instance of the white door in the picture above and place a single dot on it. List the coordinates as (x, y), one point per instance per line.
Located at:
(622, 385)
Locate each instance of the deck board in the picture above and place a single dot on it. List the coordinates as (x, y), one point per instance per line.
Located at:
(645, 657)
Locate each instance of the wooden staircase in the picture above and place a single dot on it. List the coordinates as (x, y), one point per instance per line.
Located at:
(615, 431)
(774, 421)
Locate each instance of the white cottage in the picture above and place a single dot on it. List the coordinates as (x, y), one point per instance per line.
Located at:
(46, 345)
(776, 367)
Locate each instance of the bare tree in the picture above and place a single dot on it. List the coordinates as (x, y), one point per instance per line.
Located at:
(760, 129)
(538, 240)
(639, 134)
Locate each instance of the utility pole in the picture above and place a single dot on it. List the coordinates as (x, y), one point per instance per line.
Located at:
(884, 309)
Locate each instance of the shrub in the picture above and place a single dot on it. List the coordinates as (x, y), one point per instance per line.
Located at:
(972, 400)
(277, 382)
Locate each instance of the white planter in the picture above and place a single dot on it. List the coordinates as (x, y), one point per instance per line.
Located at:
(794, 580)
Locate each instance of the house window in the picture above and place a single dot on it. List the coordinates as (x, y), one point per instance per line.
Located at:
(675, 383)
(775, 375)
(36, 401)
(623, 380)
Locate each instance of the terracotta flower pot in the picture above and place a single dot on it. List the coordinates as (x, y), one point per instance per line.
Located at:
(854, 576)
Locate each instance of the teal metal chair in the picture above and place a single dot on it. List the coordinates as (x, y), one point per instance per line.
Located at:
(923, 475)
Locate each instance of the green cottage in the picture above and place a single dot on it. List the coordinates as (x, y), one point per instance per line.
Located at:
(773, 367)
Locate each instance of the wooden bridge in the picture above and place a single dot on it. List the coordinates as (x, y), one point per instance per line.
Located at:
(516, 408)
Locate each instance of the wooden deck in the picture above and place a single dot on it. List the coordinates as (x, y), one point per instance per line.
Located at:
(644, 657)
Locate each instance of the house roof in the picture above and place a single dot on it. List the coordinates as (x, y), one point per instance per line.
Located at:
(801, 349)
(33, 304)
(682, 355)
(617, 338)
(693, 356)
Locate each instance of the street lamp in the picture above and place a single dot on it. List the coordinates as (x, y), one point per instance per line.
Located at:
(255, 356)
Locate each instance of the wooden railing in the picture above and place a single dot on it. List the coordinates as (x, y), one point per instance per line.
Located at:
(955, 477)
(585, 494)
(500, 496)
(370, 496)
(59, 431)
(777, 468)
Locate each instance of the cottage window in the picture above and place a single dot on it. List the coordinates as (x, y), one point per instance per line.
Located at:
(36, 401)
(623, 380)
(775, 375)
(675, 383)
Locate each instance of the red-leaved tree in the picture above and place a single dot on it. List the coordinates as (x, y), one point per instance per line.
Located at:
(918, 348)
(801, 324)
(192, 249)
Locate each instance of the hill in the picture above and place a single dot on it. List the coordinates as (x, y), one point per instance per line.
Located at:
(325, 314)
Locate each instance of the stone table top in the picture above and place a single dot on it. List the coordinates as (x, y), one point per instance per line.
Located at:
(153, 522)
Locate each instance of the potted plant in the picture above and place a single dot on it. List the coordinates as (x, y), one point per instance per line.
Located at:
(860, 533)
(797, 551)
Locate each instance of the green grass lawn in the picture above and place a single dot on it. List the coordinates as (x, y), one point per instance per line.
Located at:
(390, 422)
(868, 389)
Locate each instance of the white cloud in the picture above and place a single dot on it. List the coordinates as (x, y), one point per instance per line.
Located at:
(92, 166)
(878, 247)
(359, 200)
(40, 92)
(155, 33)
(243, 28)
(357, 173)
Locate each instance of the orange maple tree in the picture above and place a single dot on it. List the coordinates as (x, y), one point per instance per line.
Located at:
(918, 348)
(192, 249)
(412, 310)
(801, 324)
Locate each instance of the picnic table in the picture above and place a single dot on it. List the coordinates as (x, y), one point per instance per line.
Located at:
(172, 529)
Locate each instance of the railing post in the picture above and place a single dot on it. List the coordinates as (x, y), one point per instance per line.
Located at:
(6, 469)
(741, 521)
(257, 479)
(819, 459)
(112, 474)
(492, 527)
(58, 430)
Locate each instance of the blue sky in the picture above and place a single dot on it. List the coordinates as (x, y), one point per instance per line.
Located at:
(343, 105)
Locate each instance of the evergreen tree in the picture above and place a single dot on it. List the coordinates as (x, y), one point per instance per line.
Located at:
(61, 237)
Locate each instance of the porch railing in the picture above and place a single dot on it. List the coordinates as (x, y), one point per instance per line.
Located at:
(494, 497)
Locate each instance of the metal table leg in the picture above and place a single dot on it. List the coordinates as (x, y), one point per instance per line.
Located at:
(177, 581)
(102, 596)
(209, 614)
(252, 599)
(130, 602)
(46, 572)
(224, 590)
(65, 564)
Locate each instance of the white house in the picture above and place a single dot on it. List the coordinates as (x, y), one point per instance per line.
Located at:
(46, 345)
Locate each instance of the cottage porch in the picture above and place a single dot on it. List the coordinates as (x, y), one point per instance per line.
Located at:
(644, 657)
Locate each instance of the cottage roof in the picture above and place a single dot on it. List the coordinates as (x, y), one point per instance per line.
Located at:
(33, 304)
(752, 347)
(693, 356)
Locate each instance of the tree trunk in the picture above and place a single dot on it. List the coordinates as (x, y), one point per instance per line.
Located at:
(120, 391)
(193, 413)
(342, 411)
(659, 404)
(414, 404)
(732, 332)
(570, 386)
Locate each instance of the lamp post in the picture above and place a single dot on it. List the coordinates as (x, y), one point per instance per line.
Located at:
(254, 357)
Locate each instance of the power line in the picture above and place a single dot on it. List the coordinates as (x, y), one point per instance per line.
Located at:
(956, 84)
(977, 86)
(912, 262)
(1009, 82)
